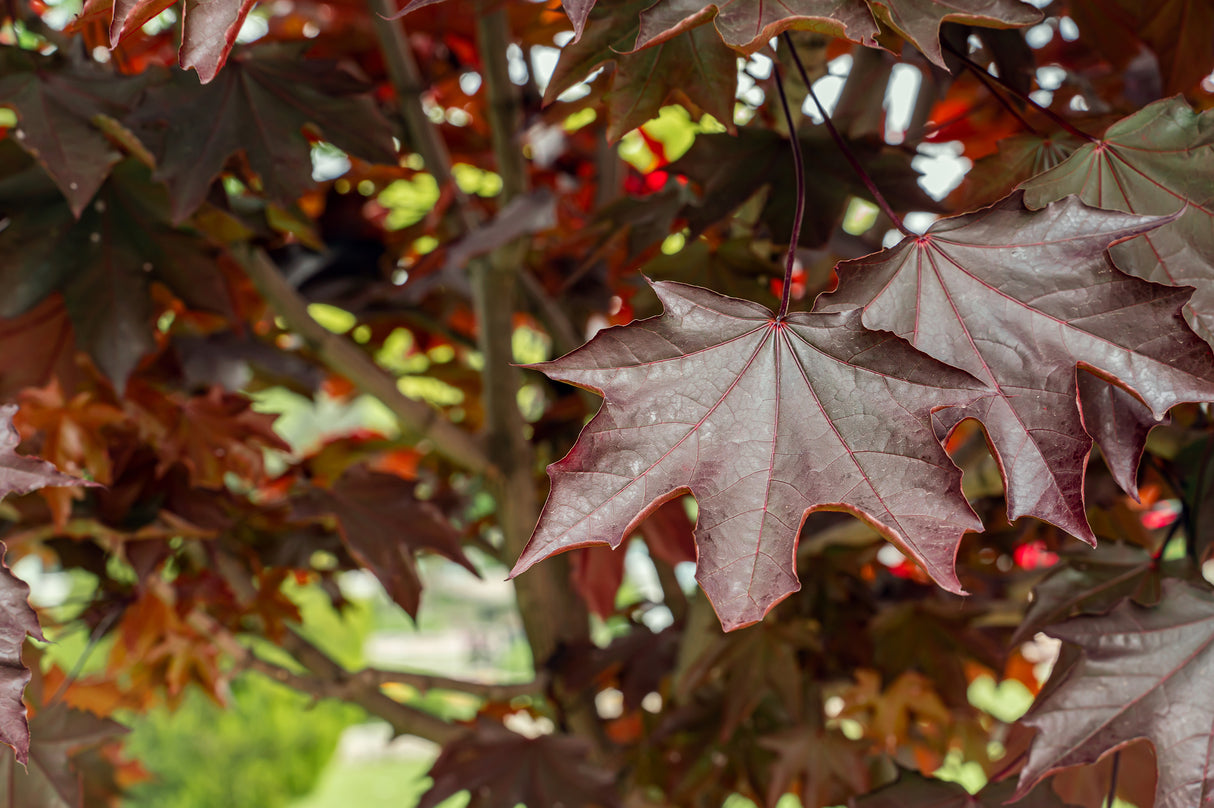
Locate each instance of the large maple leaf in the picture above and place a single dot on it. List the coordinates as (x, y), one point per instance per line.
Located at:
(1157, 161)
(383, 523)
(695, 65)
(259, 106)
(747, 25)
(56, 107)
(1022, 299)
(104, 262)
(763, 420)
(1142, 673)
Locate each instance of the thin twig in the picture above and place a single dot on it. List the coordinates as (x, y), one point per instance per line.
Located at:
(878, 197)
(989, 82)
(799, 175)
(342, 356)
(1053, 116)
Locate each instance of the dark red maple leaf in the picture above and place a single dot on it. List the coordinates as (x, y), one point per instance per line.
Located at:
(103, 262)
(56, 108)
(695, 65)
(1021, 300)
(919, 21)
(762, 420)
(1157, 161)
(1142, 673)
(747, 25)
(49, 781)
(208, 27)
(501, 769)
(382, 523)
(260, 105)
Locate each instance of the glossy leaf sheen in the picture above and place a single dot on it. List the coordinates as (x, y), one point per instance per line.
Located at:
(1021, 299)
(1143, 673)
(762, 421)
(1156, 161)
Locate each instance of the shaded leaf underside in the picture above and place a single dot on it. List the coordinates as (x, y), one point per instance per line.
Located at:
(747, 25)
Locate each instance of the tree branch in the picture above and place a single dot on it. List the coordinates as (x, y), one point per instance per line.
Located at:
(405, 720)
(342, 356)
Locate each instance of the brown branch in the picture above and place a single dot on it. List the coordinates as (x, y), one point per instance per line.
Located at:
(405, 720)
(551, 615)
(342, 356)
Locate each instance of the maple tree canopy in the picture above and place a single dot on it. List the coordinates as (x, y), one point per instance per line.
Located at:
(868, 346)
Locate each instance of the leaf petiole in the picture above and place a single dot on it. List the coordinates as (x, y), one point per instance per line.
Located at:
(878, 197)
(799, 212)
(1053, 116)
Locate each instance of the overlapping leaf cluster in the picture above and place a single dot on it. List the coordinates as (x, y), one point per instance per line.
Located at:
(173, 238)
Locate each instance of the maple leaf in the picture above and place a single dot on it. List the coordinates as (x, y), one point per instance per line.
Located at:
(56, 108)
(1018, 158)
(699, 400)
(1021, 299)
(919, 21)
(212, 435)
(49, 781)
(208, 27)
(1142, 673)
(826, 766)
(382, 523)
(500, 769)
(747, 25)
(1156, 161)
(20, 474)
(1092, 584)
(767, 155)
(104, 262)
(694, 65)
(259, 106)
